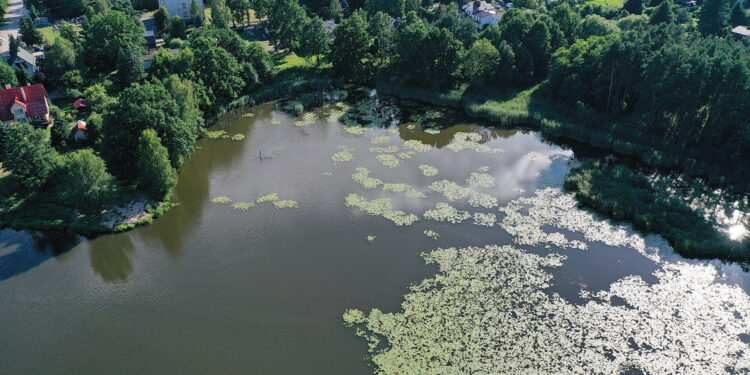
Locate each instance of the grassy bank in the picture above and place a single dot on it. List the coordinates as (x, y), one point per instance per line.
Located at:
(625, 195)
(528, 107)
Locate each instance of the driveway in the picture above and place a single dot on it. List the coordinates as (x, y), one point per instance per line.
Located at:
(13, 16)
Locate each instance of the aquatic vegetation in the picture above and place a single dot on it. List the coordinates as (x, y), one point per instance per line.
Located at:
(387, 149)
(354, 130)
(486, 312)
(276, 121)
(216, 134)
(372, 112)
(481, 179)
(380, 139)
(411, 126)
(431, 234)
(370, 238)
(405, 155)
(243, 206)
(221, 200)
(446, 212)
(519, 190)
(484, 219)
(393, 131)
(344, 154)
(381, 207)
(287, 203)
(307, 119)
(551, 207)
(454, 192)
(363, 178)
(407, 189)
(534, 156)
(471, 141)
(327, 174)
(238, 137)
(432, 131)
(249, 114)
(417, 146)
(428, 170)
(268, 198)
(389, 160)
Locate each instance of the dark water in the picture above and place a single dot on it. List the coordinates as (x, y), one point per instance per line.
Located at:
(212, 289)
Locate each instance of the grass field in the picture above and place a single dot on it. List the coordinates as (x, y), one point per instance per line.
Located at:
(609, 3)
(49, 34)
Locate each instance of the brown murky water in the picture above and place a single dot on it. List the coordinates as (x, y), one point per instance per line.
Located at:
(213, 289)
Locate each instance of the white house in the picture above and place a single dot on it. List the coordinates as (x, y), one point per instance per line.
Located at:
(483, 13)
(180, 8)
(24, 60)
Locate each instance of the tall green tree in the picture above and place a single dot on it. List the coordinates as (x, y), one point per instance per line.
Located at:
(13, 45)
(285, 22)
(335, 11)
(60, 57)
(634, 6)
(713, 16)
(140, 107)
(29, 33)
(738, 17)
(350, 55)
(7, 76)
(110, 32)
(316, 41)
(383, 34)
(30, 156)
(664, 13)
(177, 28)
(568, 20)
(161, 16)
(216, 70)
(394, 8)
(196, 13)
(129, 67)
(540, 47)
(480, 61)
(221, 15)
(156, 176)
(84, 181)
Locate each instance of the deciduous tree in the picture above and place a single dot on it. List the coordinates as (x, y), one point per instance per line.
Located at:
(156, 177)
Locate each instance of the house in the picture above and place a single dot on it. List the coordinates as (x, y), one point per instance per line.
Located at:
(79, 133)
(180, 8)
(81, 105)
(24, 60)
(26, 104)
(150, 38)
(483, 13)
(329, 26)
(740, 32)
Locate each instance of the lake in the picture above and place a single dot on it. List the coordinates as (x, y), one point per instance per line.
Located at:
(230, 283)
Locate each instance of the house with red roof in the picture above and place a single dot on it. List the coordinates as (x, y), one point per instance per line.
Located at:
(26, 105)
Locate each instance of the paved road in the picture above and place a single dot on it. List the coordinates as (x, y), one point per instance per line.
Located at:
(13, 16)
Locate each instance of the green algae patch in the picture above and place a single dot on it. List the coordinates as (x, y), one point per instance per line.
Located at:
(454, 192)
(428, 170)
(268, 198)
(487, 312)
(370, 238)
(354, 130)
(533, 156)
(249, 114)
(217, 134)
(445, 212)
(381, 207)
(481, 179)
(388, 160)
(471, 141)
(385, 150)
(243, 206)
(287, 203)
(344, 155)
(276, 121)
(484, 219)
(238, 137)
(308, 118)
(221, 200)
(407, 189)
(431, 234)
(417, 146)
(380, 139)
(363, 178)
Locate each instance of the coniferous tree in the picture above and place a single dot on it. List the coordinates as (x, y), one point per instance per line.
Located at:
(663, 13)
(713, 16)
(13, 45)
(738, 17)
(634, 6)
(335, 11)
(29, 34)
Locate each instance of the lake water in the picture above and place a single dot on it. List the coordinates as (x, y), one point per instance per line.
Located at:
(212, 288)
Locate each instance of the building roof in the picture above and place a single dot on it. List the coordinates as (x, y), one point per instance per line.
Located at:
(485, 13)
(80, 103)
(33, 97)
(80, 125)
(741, 30)
(25, 56)
(329, 25)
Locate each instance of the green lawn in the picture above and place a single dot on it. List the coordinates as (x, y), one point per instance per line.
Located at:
(609, 3)
(49, 34)
(291, 60)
